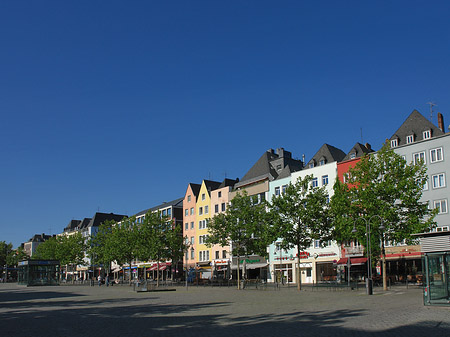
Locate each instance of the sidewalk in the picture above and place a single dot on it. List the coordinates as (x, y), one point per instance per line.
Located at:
(119, 311)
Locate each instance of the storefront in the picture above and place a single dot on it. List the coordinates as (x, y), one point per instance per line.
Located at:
(255, 267)
(221, 269)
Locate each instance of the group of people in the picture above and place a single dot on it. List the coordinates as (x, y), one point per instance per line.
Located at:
(100, 279)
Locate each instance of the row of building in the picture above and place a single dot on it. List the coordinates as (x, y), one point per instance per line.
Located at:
(416, 139)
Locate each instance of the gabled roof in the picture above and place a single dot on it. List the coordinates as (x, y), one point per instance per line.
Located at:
(100, 218)
(328, 153)
(84, 223)
(415, 125)
(40, 237)
(174, 203)
(358, 150)
(73, 224)
(270, 165)
(195, 189)
(228, 182)
(211, 185)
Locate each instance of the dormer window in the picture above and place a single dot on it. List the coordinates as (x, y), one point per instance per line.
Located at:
(409, 139)
(353, 155)
(394, 142)
(322, 161)
(427, 134)
(312, 164)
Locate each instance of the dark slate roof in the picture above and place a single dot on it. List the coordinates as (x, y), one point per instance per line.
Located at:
(40, 237)
(270, 165)
(84, 223)
(100, 218)
(228, 182)
(211, 185)
(415, 124)
(327, 152)
(174, 203)
(359, 150)
(73, 225)
(195, 189)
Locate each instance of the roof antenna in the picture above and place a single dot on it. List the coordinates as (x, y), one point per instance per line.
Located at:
(431, 110)
(361, 136)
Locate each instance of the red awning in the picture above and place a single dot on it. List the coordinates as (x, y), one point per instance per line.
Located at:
(355, 261)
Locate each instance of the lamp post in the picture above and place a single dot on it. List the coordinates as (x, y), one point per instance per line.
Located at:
(369, 285)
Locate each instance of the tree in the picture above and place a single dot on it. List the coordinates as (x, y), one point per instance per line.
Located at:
(246, 225)
(16, 255)
(47, 250)
(5, 252)
(124, 240)
(382, 187)
(101, 246)
(159, 239)
(71, 250)
(302, 217)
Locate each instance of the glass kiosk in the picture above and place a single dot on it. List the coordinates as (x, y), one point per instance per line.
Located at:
(38, 273)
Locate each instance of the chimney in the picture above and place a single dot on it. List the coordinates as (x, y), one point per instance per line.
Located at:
(441, 122)
(368, 146)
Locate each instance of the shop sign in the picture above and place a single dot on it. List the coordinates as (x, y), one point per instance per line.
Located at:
(220, 262)
(303, 255)
(285, 258)
(249, 261)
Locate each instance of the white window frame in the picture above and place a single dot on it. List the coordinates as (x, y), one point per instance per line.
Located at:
(283, 189)
(203, 196)
(436, 180)
(206, 209)
(437, 154)
(439, 203)
(325, 180)
(277, 191)
(419, 156)
(200, 210)
(394, 142)
(409, 139)
(441, 229)
(426, 134)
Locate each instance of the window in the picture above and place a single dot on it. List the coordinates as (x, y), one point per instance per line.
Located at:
(436, 155)
(186, 255)
(409, 139)
(192, 254)
(311, 165)
(217, 255)
(192, 210)
(203, 196)
(216, 208)
(200, 211)
(315, 183)
(394, 142)
(202, 239)
(206, 209)
(192, 225)
(283, 189)
(278, 167)
(324, 180)
(353, 155)
(186, 226)
(316, 243)
(322, 162)
(192, 240)
(419, 157)
(220, 194)
(204, 255)
(277, 191)
(425, 185)
(426, 134)
(438, 180)
(189, 198)
(224, 254)
(186, 212)
(441, 205)
(223, 207)
(202, 224)
(164, 213)
(442, 229)
(169, 212)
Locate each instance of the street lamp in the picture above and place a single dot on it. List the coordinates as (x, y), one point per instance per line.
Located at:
(369, 285)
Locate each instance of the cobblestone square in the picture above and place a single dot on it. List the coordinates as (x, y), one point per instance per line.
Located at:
(201, 311)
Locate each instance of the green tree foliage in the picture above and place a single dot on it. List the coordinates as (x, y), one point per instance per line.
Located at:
(6, 250)
(16, 255)
(159, 239)
(246, 224)
(383, 186)
(101, 247)
(302, 216)
(48, 250)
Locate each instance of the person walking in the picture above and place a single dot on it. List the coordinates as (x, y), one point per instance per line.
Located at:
(107, 280)
(99, 280)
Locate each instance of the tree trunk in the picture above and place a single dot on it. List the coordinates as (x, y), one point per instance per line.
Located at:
(157, 273)
(299, 276)
(238, 278)
(383, 265)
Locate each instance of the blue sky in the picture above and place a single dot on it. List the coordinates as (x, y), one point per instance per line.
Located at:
(116, 106)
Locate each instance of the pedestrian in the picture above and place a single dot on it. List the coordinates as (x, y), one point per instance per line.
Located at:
(99, 280)
(107, 280)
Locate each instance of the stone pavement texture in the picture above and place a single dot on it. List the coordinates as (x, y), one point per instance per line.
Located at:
(119, 311)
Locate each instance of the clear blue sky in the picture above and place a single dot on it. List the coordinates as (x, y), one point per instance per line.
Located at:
(117, 105)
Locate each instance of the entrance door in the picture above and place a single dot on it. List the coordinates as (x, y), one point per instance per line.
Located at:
(307, 275)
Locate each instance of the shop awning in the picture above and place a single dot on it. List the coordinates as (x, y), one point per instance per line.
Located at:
(355, 261)
(251, 266)
(411, 255)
